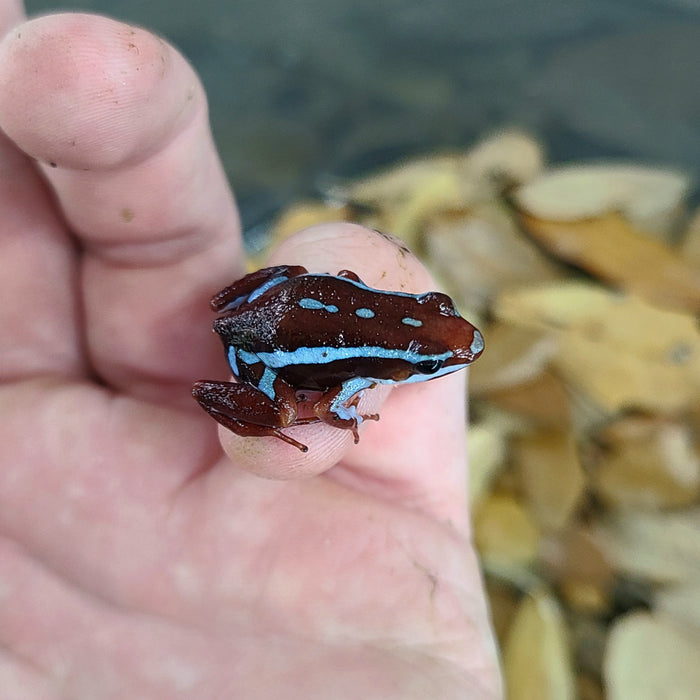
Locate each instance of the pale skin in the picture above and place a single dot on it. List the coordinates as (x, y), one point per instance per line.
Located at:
(137, 557)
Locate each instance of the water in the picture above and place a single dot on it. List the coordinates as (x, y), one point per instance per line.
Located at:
(300, 91)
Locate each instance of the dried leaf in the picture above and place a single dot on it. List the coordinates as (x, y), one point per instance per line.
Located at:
(487, 449)
(660, 547)
(605, 349)
(682, 604)
(584, 597)
(615, 251)
(504, 532)
(544, 401)
(482, 252)
(576, 556)
(588, 688)
(465, 178)
(406, 196)
(536, 659)
(565, 362)
(650, 198)
(504, 601)
(554, 306)
(589, 635)
(510, 157)
(647, 462)
(649, 658)
(516, 356)
(551, 475)
(393, 186)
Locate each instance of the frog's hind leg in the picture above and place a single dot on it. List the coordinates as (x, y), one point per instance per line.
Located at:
(246, 411)
(252, 285)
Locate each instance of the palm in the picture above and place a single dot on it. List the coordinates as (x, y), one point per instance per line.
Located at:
(135, 559)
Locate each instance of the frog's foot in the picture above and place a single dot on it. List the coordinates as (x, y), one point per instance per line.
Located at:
(338, 407)
(245, 410)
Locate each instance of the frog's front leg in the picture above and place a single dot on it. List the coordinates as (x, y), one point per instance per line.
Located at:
(338, 406)
(246, 410)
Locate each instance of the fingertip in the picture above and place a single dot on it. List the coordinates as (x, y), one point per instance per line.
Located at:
(380, 259)
(11, 13)
(109, 91)
(271, 458)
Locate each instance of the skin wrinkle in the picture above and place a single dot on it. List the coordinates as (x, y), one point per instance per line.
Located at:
(180, 247)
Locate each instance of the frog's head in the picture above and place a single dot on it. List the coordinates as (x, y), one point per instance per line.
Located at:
(438, 340)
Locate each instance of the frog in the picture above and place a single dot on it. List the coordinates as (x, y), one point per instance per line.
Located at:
(303, 347)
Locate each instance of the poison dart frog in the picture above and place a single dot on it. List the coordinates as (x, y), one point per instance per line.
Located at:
(288, 332)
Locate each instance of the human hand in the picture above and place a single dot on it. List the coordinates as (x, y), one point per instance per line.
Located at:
(136, 559)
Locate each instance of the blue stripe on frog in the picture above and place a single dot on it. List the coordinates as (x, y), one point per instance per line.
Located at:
(323, 355)
(264, 287)
(233, 361)
(266, 384)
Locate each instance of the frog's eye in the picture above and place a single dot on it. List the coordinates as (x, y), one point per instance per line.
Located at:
(429, 366)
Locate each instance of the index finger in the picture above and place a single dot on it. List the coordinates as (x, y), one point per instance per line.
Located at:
(118, 121)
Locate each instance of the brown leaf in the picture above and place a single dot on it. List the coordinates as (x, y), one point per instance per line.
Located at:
(647, 462)
(544, 401)
(480, 252)
(516, 356)
(615, 251)
(620, 350)
(551, 475)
